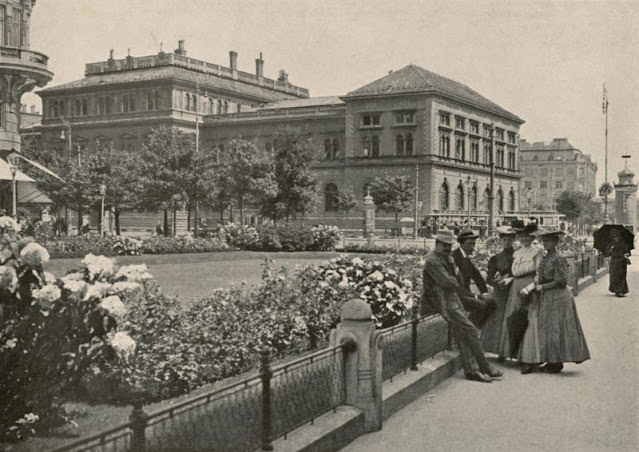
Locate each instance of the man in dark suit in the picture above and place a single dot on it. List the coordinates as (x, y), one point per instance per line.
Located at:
(479, 309)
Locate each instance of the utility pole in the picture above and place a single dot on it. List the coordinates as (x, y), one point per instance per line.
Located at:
(604, 108)
(416, 201)
(491, 195)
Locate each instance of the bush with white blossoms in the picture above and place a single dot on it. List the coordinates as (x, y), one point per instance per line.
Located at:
(325, 238)
(52, 330)
(128, 246)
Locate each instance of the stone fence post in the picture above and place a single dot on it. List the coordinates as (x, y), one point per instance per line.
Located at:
(362, 360)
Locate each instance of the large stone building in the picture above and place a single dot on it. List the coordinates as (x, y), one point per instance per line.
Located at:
(410, 122)
(21, 70)
(625, 199)
(549, 169)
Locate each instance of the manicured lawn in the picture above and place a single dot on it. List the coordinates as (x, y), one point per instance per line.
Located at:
(196, 275)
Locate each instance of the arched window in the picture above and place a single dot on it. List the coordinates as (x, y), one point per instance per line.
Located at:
(149, 100)
(194, 103)
(408, 144)
(500, 199)
(443, 196)
(187, 102)
(335, 148)
(511, 200)
(486, 199)
(366, 146)
(330, 198)
(219, 107)
(473, 197)
(226, 107)
(211, 106)
(328, 149)
(375, 146)
(156, 100)
(399, 144)
(459, 197)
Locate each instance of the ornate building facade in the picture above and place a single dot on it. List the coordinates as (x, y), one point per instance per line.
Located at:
(21, 70)
(549, 169)
(626, 199)
(412, 122)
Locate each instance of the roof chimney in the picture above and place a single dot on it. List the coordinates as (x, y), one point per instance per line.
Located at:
(180, 50)
(259, 66)
(233, 59)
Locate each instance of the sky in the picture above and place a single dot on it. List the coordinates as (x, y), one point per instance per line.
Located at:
(545, 61)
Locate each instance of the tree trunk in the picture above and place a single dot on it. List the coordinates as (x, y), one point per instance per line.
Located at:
(188, 219)
(116, 214)
(222, 217)
(166, 223)
(231, 218)
(174, 223)
(242, 210)
(80, 212)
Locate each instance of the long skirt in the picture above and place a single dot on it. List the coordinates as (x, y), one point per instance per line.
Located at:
(561, 338)
(491, 331)
(618, 270)
(512, 304)
(529, 350)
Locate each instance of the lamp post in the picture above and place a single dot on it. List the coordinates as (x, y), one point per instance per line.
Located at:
(102, 194)
(468, 201)
(12, 160)
(604, 110)
(67, 125)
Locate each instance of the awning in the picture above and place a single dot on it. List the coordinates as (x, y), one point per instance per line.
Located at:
(5, 173)
(28, 193)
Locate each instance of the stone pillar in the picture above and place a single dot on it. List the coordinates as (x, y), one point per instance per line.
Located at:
(362, 361)
(369, 218)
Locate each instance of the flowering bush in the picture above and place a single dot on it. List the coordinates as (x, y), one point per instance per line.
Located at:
(128, 246)
(240, 236)
(378, 249)
(79, 246)
(184, 244)
(52, 330)
(325, 238)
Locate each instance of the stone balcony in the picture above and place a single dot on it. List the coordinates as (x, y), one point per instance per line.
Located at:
(25, 62)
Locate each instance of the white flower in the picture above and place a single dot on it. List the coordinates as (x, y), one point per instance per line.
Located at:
(99, 266)
(49, 278)
(29, 418)
(10, 344)
(343, 283)
(8, 278)
(357, 261)
(377, 275)
(390, 284)
(391, 272)
(97, 290)
(122, 344)
(125, 286)
(135, 273)
(407, 283)
(34, 255)
(75, 276)
(114, 306)
(9, 223)
(73, 285)
(48, 293)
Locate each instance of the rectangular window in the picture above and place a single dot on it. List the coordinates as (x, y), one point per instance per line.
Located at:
(85, 107)
(474, 127)
(444, 145)
(404, 117)
(581, 171)
(542, 184)
(543, 172)
(559, 172)
(370, 120)
(460, 149)
(486, 130)
(500, 134)
(558, 184)
(474, 151)
(512, 137)
(444, 118)
(2, 30)
(460, 123)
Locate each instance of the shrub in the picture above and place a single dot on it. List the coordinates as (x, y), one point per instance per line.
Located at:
(240, 236)
(127, 246)
(80, 246)
(325, 238)
(295, 238)
(386, 250)
(269, 237)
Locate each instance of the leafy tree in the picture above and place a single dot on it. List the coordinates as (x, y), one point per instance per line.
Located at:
(570, 204)
(296, 185)
(392, 194)
(346, 201)
(165, 160)
(247, 174)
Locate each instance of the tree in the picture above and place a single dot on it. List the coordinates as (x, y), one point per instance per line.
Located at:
(570, 204)
(346, 201)
(165, 160)
(392, 194)
(247, 174)
(296, 185)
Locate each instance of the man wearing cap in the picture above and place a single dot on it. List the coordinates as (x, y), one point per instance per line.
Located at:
(478, 308)
(442, 288)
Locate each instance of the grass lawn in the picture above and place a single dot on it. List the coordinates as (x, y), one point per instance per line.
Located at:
(196, 275)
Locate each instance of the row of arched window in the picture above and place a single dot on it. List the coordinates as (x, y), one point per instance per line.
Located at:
(461, 203)
(209, 106)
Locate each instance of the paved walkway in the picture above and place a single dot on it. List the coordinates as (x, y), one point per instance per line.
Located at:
(593, 406)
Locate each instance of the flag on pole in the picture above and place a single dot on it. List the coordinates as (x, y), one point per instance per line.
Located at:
(604, 102)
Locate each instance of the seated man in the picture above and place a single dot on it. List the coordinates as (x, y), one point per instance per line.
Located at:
(442, 287)
(479, 309)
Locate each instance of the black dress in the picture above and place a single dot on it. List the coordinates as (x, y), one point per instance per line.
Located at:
(618, 269)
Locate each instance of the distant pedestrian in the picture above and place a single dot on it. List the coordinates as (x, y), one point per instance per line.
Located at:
(619, 259)
(561, 338)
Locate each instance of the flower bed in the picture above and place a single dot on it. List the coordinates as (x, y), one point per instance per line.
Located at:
(284, 237)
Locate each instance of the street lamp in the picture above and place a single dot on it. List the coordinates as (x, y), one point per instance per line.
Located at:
(468, 201)
(12, 160)
(102, 194)
(67, 125)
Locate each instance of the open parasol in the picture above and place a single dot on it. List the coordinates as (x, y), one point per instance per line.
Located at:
(604, 237)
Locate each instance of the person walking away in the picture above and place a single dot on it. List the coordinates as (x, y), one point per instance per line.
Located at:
(478, 311)
(561, 338)
(619, 259)
(525, 261)
(441, 291)
(499, 276)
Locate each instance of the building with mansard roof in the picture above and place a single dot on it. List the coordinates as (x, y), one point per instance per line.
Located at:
(410, 122)
(550, 168)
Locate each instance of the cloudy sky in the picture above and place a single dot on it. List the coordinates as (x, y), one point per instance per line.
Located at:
(545, 61)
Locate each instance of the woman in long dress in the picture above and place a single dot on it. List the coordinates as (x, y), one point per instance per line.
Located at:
(561, 338)
(524, 267)
(499, 276)
(618, 265)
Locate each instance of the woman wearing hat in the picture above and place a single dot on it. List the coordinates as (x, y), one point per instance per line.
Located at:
(524, 268)
(499, 276)
(560, 336)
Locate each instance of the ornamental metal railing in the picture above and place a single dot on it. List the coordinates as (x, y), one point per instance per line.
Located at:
(409, 343)
(245, 415)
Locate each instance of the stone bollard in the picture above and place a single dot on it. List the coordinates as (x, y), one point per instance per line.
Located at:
(362, 360)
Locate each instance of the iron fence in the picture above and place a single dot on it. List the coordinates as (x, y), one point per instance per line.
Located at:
(409, 343)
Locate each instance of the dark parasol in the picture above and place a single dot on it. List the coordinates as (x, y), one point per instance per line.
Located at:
(605, 236)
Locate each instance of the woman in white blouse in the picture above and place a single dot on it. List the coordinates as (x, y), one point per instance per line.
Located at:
(525, 261)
